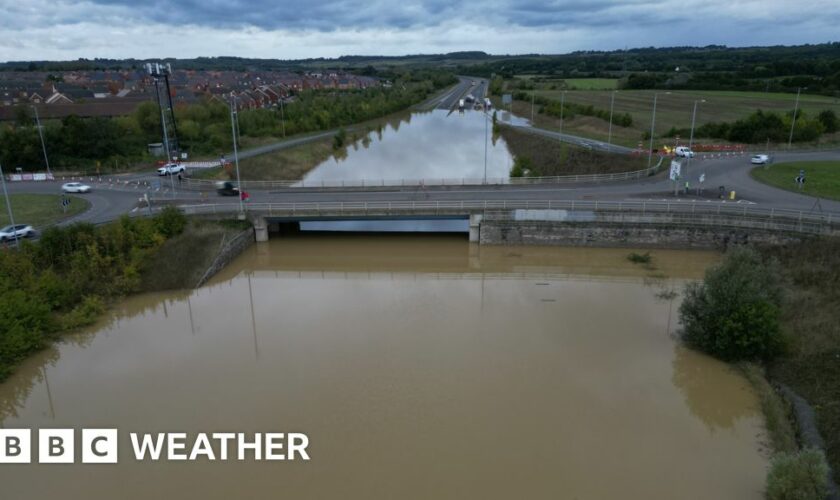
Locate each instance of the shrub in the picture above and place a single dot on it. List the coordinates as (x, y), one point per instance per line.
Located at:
(798, 476)
(639, 258)
(170, 222)
(734, 313)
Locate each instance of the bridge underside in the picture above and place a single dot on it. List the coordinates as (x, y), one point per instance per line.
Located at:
(449, 223)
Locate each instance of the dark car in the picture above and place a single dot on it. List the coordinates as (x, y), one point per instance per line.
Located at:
(226, 188)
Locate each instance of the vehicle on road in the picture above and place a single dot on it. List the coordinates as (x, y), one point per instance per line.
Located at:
(487, 103)
(75, 187)
(10, 233)
(171, 169)
(760, 159)
(684, 152)
(461, 104)
(226, 188)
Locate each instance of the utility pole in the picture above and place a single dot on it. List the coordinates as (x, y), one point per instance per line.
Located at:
(652, 124)
(41, 134)
(236, 155)
(8, 204)
(793, 121)
(609, 135)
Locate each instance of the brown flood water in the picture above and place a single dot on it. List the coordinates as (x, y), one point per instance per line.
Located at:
(419, 367)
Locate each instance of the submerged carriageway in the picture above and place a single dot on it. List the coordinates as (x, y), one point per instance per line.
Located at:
(639, 213)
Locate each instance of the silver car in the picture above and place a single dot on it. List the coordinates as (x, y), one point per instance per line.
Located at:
(10, 233)
(75, 187)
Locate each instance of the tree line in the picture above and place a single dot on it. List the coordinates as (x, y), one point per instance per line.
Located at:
(204, 128)
(761, 126)
(64, 280)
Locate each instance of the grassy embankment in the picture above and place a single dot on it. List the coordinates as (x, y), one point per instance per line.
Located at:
(672, 110)
(810, 319)
(294, 162)
(39, 210)
(543, 156)
(67, 279)
(822, 178)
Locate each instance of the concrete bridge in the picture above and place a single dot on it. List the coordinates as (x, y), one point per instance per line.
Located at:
(542, 215)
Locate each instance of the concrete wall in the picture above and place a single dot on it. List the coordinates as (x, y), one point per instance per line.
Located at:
(229, 250)
(597, 234)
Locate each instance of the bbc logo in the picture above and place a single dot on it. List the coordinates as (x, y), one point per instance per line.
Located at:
(57, 446)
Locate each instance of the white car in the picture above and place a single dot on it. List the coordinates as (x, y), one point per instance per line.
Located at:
(684, 152)
(760, 159)
(171, 169)
(75, 187)
(10, 233)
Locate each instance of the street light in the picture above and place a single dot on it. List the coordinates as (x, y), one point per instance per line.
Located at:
(793, 121)
(562, 103)
(609, 135)
(8, 205)
(652, 125)
(235, 152)
(165, 141)
(691, 135)
(41, 134)
(485, 146)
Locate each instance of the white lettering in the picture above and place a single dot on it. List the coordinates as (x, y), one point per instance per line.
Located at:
(274, 441)
(298, 442)
(243, 445)
(152, 447)
(223, 438)
(173, 445)
(202, 447)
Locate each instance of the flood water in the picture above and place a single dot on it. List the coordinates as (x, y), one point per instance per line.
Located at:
(429, 145)
(420, 367)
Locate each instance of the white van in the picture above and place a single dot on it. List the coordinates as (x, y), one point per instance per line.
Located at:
(684, 151)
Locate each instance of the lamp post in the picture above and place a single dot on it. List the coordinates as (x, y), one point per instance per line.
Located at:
(609, 134)
(8, 204)
(236, 153)
(485, 147)
(793, 121)
(562, 105)
(691, 135)
(41, 134)
(652, 124)
(533, 97)
(165, 141)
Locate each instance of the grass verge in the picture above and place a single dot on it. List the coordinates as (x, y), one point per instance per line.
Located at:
(182, 260)
(811, 322)
(40, 210)
(822, 178)
(543, 156)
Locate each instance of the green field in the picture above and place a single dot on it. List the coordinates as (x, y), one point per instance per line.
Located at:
(822, 178)
(591, 83)
(674, 109)
(39, 210)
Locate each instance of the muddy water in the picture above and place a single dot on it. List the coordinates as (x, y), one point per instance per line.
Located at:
(419, 367)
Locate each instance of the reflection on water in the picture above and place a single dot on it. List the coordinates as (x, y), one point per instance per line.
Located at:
(429, 145)
(420, 367)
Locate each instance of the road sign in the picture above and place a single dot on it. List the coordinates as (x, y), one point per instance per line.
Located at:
(675, 170)
(702, 178)
(507, 98)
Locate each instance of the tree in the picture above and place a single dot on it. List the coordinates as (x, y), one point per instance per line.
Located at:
(829, 120)
(734, 313)
(798, 476)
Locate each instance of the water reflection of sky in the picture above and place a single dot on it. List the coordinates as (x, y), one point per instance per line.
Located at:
(431, 145)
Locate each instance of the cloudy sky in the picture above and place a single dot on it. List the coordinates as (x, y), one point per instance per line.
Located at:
(292, 29)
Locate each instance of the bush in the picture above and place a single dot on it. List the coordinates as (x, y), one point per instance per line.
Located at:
(798, 476)
(734, 313)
